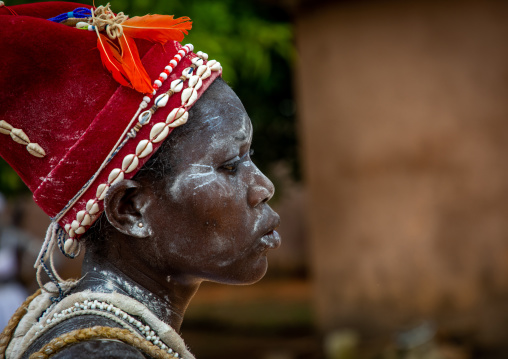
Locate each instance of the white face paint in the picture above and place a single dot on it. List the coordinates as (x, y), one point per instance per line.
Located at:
(212, 212)
(205, 177)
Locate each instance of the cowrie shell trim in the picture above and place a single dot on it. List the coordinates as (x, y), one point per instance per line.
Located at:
(177, 117)
(19, 136)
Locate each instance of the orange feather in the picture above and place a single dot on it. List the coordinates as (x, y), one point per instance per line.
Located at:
(132, 66)
(157, 28)
(112, 59)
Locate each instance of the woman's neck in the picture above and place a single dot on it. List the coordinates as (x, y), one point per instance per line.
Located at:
(167, 298)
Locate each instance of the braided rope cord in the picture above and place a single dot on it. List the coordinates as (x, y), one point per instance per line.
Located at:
(99, 332)
(6, 336)
(104, 19)
(107, 315)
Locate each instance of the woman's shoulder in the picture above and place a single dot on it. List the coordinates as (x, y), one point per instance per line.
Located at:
(86, 336)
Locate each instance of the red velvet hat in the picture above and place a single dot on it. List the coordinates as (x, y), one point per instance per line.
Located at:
(77, 114)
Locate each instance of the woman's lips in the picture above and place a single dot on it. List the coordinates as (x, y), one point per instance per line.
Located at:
(271, 240)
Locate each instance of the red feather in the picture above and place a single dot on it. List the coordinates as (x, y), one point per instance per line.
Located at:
(112, 59)
(123, 62)
(132, 66)
(157, 28)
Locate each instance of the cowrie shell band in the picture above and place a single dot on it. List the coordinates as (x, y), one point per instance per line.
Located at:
(194, 74)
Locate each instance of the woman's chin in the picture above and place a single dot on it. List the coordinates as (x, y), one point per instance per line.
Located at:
(246, 276)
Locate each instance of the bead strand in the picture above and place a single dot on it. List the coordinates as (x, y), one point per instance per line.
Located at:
(107, 310)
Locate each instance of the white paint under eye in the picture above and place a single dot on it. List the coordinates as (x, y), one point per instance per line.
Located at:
(208, 176)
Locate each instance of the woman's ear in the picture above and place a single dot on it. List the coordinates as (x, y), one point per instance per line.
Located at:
(125, 205)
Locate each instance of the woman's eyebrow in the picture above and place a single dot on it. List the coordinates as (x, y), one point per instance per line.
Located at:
(242, 136)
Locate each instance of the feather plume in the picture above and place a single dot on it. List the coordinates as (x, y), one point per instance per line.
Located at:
(157, 28)
(112, 59)
(132, 66)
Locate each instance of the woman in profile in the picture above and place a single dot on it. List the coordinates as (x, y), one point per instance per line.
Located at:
(152, 176)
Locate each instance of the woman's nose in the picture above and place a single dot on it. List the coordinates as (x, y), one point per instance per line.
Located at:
(261, 189)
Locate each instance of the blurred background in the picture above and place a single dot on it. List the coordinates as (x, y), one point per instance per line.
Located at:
(383, 125)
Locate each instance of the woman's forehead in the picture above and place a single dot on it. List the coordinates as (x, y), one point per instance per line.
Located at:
(223, 112)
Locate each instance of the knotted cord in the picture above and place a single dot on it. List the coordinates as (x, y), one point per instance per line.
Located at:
(104, 19)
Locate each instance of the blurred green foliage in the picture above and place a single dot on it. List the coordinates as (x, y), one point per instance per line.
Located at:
(253, 41)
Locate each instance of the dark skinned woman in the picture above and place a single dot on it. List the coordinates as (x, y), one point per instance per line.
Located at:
(140, 153)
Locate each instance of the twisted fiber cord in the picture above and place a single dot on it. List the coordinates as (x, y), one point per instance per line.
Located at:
(99, 332)
(107, 315)
(6, 336)
(104, 19)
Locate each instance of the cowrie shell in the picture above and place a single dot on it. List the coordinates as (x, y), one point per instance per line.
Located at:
(35, 150)
(189, 96)
(186, 73)
(201, 70)
(74, 225)
(5, 127)
(145, 117)
(207, 73)
(180, 121)
(215, 67)
(86, 220)
(144, 148)
(80, 215)
(71, 246)
(195, 81)
(115, 176)
(159, 132)
(101, 191)
(129, 163)
(161, 100)
(197, 61)
(19, 136)
(175, 114)
(177, 85)
(92, 207)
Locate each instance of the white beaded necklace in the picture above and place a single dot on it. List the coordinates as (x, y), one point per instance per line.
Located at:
(109, 311)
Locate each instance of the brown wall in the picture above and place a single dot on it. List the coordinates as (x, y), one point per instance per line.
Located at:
(404, 122)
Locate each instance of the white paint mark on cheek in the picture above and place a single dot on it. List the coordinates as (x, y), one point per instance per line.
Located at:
(256, 225)
(207, 177)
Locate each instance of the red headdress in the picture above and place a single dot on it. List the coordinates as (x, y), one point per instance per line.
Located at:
(66, 125)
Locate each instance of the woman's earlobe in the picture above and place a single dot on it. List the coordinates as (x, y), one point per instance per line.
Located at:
(124, 206)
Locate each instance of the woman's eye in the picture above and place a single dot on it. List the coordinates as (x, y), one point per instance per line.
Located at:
(232, 165)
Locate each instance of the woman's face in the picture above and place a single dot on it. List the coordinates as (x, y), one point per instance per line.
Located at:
(210, 219)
